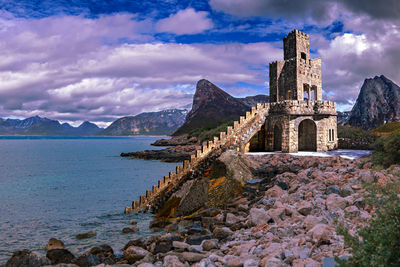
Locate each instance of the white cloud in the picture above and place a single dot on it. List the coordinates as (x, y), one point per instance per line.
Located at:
(187, 21)
(83, 72)
(351, 58)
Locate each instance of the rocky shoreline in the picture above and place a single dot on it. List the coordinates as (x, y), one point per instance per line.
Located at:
(285, 216)
(180, 140)
(179, 148)
(170, 154)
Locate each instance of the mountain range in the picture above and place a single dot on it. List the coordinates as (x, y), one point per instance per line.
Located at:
(43, 126)
(377, 103)
(149, 123)
(213, 106)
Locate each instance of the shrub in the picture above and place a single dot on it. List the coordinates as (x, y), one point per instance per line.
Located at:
(387, 150)
(379, 243)
(389, 127)
(207, 133)
(355, 138)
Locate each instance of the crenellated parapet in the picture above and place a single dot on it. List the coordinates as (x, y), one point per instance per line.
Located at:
(303, 107)
(295, 119)
(231, 138)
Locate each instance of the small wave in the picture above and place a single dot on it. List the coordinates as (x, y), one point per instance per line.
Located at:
(91, 224)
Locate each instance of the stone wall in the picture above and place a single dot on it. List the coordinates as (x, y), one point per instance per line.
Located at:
(295, 43)
(325, 136)
(280, 122)
(234, 137)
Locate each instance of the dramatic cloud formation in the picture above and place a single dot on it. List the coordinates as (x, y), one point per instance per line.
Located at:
(186, 21)
(371, 49)
(81, 60)
(67, 72)
(310, 9)
(313, 9)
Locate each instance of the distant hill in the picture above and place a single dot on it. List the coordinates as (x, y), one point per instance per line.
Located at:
(150, 123)
(212, 107)
(43, 126)
(387, 129)
(378, 103)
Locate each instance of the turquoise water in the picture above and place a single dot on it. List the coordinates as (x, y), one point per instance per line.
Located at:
(59, 187)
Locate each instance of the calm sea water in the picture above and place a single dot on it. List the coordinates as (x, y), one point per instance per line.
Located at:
(59, 187)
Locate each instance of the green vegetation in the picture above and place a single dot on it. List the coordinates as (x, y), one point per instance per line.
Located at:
(207, 132)
(379, 243)
(389, 128)
(355, 133)
(387, 150)
(355, 138)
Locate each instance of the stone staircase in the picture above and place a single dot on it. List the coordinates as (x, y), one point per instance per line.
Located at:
(235, 137)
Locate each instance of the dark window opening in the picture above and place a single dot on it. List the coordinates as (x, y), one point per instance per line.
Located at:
(331, 135)
(303, 56)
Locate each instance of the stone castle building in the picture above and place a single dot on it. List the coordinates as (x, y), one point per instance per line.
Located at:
(298, 118)
(295, 119)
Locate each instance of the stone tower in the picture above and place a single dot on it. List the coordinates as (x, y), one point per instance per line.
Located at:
(298, 119)
(297, 77)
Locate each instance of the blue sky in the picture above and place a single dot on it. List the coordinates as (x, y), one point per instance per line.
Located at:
(100, 60)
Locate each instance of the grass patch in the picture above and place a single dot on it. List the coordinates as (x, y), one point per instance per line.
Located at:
(208, 133)
(379, 243)
(387, 150)
(355, 133)
(388, 128)
(355, 138)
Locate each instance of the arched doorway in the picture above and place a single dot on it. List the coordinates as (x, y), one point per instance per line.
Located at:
(307, 136)
(257, 142)
(277, 137)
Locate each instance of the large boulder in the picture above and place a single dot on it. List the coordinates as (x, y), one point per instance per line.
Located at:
(190, 197)
(335, 202)
(26, 258)
(320, 232)
(104, 253)
(133, 254)
(304, 208)
(172, 261)
(57, 256)
(235, 165)
(222, 232)
(214, 187)
(192, 256)
(259, 216)
(193, 195)
(54, 243)
(275, 192)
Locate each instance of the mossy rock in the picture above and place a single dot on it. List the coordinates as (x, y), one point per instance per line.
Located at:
(222, 190)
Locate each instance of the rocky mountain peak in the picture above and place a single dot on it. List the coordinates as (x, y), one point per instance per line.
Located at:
(213, 106)
(207, 92)
(378, 102)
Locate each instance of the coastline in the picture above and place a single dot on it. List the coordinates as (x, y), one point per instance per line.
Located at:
(83, 136)
(63, 187)
(283, 217)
